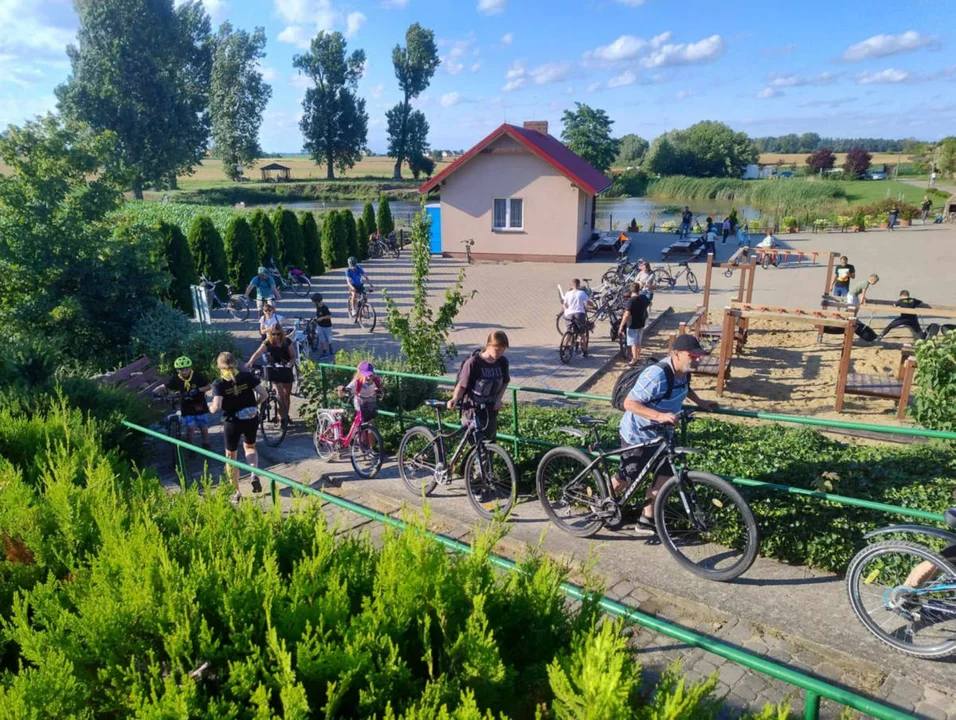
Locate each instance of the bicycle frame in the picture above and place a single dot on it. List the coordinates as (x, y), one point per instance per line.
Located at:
(357, 423)
(468, 432)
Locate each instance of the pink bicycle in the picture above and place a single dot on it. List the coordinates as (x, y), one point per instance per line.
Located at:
(363, 441)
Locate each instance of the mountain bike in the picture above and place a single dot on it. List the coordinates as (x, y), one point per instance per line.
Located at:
(237, 305)
(385, 248)
(296, 280)
(272, 423)
(621, 270)
(363, 313)
(701, 519)
(598, 307)
(575, 339)
(172, 422)
(363, 440)
(489, 473)
(667, 277)
(905, 592)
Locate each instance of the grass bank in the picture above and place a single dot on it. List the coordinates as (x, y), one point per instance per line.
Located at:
(271, 193)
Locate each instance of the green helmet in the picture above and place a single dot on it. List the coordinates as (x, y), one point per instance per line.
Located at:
(182, 362)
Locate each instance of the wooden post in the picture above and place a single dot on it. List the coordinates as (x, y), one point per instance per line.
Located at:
(908, 373)
(844, 363)
(751, 269)
(826, 285)
(707, 275)
(726, 343)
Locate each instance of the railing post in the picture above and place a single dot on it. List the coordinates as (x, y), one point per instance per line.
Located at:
(514, 418)
(274, 490)
(401, 419)
(325, 386)
(811, 707)
(181, 461)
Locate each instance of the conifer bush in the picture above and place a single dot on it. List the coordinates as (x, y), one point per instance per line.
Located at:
(207, 249)
(335, 252)
(368, 216)
(267, 245)
(241, 252)
(179, 264)
(362, 235)
(351, 233)
(311, 244)
(289, 237)
(384, 220)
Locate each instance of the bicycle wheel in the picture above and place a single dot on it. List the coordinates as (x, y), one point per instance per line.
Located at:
(301, 285)
(271, 426)
(559, 323)
(238, 309)
(491, 480)
(174, 429)
(692, 282)
(610, 277)
(375, 251)
(323, 438)
(296, 378)
(396, 253)
(418, 461)
(765, 260)
(918, 621)
(718, 540)
(623, 348)
(367, 317)
(569, 498)
(566, 348)
(664, 278)
(366, 451)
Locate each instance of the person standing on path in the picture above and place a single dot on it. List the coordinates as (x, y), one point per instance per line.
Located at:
(323, 318)
(842, 275)
(482, 381)
(269, 318)
(192, 387)
(932, 178)
(281, 359)
(647, 279)
(633, 322)
(725, 230)
(858, 290)
(925, 208)
(894, 214)
(685, 220)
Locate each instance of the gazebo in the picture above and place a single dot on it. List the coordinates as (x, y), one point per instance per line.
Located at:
(282, 173)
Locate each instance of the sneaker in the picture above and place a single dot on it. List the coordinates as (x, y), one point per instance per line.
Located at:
(236, 498)
(644, 523)
(256, 485)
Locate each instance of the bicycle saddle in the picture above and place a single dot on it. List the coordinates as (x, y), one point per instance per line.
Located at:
(435, 404)
(950, 517)
(591, 421)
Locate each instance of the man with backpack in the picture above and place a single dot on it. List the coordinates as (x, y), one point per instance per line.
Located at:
(483, 378)
(655, 399)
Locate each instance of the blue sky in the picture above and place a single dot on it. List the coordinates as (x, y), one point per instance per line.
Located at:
(839, 68)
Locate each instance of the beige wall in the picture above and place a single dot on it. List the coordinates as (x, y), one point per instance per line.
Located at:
(552, 207)
(584, 218)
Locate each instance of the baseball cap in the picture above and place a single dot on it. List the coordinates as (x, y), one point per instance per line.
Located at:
(688, 343)
(366, 369)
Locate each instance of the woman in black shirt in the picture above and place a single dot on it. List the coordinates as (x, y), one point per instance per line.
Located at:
(281, 358)
(238, 394)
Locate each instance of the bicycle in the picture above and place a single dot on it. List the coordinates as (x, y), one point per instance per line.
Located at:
(237, 305)
(701, 519)
(489, 473)
(667, 278)
(575, 339)
(363, 313)
(305, 340)
(382, 248)
(272, 412)
(598, 307)
(173, 422)
(904, 592)
(468, 245)
(298, 281)
(618, 274)
(363, 440)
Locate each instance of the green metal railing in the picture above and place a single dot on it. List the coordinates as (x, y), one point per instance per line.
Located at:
(517, 439)
(814, 688)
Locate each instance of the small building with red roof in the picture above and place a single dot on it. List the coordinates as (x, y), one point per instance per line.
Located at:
(521, 195)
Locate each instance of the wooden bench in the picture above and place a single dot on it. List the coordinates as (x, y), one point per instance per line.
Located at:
(607, 242)
(883, 386)
(140, 377)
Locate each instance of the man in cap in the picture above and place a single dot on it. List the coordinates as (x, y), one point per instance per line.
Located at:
(265, 287)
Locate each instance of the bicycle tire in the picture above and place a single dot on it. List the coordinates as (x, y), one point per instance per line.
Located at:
(174, 429)
(396, 253)
(566, 348)
(623, 348)
(412, 460)
(271, 426)
(238, 309)
(322, 438)
(765, 260)
(550, 500)
(301, 285)
(853, 577)
(559, 323)
(496, 500)
(360, 451)
(669, 525)
(692, 283)
(367, 317)
(611, 277)
(663, 277)
(375, 251)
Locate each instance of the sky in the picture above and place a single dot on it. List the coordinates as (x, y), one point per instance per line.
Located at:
(840, 68)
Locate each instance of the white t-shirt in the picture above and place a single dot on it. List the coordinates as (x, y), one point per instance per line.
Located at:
(368, 390)
(265, 322)
(768, 242)
(574, 301)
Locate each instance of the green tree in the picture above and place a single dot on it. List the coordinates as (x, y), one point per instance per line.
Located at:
(207, 249)
(422, 332)
(267, 245)
(289, 237)
(362, 235)
(945, 156)
(712, 149)
(178, 262)
(237, 97)
(414, 64)
(311, 244)
(421, 165)
(241, 254)
(664, 157)
(334, 122)
(334, 241)
(141, 69)
(351, 233)
(71, 277)
(631, 150)
(588, 133)
(384, 219)
(368, 215)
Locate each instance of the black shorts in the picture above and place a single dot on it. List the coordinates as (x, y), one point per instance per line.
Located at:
(278, 374)
(234, 430)
(369, 410)
(577, 322)
(633, 461)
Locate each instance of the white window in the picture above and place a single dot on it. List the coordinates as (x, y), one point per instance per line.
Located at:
(508, 214)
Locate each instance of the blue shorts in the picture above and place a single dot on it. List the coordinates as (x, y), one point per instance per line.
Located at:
(634, 337)
(325, 335)
(200, 421)
(841, 290)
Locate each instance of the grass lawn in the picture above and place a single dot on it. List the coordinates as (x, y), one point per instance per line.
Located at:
(865, 192)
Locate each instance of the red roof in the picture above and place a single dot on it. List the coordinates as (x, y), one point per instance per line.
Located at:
(549, 149)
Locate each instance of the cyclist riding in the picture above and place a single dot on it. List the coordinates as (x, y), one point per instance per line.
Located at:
(655, 399)
(355, 277)
(192, 387)
(265, 287)
(575, 303)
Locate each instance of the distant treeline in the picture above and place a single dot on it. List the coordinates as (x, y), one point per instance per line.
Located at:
(808, 142)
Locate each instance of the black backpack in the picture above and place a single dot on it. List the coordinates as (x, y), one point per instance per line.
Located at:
(461, 367)
(626, 380)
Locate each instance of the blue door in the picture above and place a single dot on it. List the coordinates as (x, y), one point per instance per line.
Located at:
(434, 214)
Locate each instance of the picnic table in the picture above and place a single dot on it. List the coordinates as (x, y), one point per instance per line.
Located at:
(607, 242)
(684, 249)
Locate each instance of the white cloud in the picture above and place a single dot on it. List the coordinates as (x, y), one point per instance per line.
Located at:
(268, 73)
(452, 67)
(377, 91)
(594, 86)
(550, 72)
(476, 66)
(516, 70)
(394, 4)
(513, 85)
(295, 35)
(768, 93)
(453, 62)
(450, 99)
(15, 108)
(353, 23)
(701, 51)
(295, 11)
(780, 81)
(628, 77)
(14, 72)
(883, 76)
(215, 8)
(624, 48)
(24, 30)
(507, 38)
(883, 45)
(491, 7)
(684, 94)
(319, 13)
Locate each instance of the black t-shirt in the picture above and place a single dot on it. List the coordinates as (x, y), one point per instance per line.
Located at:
(190, 405)
(237, 394)
(637, 307)
(909, 304)
(484, 379)
(324, 315)
(843, 275)
(279, 354)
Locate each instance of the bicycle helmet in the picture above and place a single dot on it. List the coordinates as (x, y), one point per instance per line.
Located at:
(316, 297)
(182, 363)
(352, 262)
(262, 270)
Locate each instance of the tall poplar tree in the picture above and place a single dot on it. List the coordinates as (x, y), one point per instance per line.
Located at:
(415, 64)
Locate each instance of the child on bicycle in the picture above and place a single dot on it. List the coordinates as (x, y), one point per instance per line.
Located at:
(366, 390)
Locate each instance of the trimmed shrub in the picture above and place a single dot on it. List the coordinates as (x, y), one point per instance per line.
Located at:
(384, 217)
(368, 216)
(202, 348)
(351, 233)
(934, 404)
(289, 238)
(362, 234)
(179, 264)
(207, 249)
(335, 251)
(159, 330)
(240, 252)
(311, 244)
(267, 245)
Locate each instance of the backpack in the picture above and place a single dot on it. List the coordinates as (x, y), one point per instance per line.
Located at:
(626, 380)
(461, 368)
